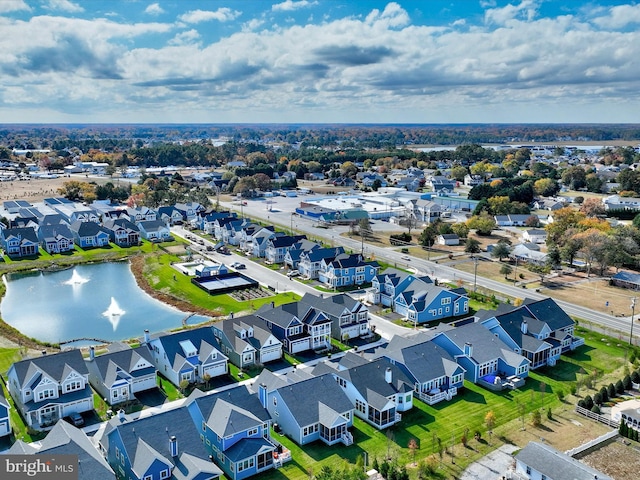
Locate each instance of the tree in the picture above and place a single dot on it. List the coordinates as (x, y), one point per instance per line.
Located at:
(364, 227)
(490, 421)
(183, 385)
(501, 250)
(460, 229)
(262, 182)
(506, 270)
(536, 418)
(574, 177)
(546, 187)
(413, 446)
(592, 207)
(472, 246)
(458, 173)
(483, 224)
(429, 234)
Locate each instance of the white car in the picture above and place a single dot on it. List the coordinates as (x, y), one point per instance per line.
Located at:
(293, 273)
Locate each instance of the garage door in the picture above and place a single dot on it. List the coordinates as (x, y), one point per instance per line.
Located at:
(215, 370)
(270, 354)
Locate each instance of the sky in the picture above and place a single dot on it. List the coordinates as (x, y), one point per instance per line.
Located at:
(319, 61)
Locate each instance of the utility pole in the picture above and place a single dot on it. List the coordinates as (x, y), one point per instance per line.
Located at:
(475, 273)
(633, 312)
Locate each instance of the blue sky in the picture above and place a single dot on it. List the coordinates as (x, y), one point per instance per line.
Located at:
(318, 61)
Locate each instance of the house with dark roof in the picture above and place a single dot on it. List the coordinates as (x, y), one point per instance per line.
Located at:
(190, 210)
(90, 234)
(537, 461)
(207, 220)
(50, 387)
(141, 214)
(250, 235)
(450, 239)
(277, 247)
(349, 317)
(435, 375)
(121, 372)
(312, 409)
(345, 270)
(486, 359)
(19, 242)
(187, 356)
(13, 206)
(626, 279)
(170, 215)
(379, 390)
(154, 230)
(65, 439)
(247, 341)
(310, 261)
(294, 254)
(236, 429)
(122, 232)
(299, 326)
(56, 238)
(166, 445)
(5, 423)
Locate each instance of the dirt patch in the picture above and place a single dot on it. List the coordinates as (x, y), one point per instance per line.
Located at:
(617, 460)
(37, 189)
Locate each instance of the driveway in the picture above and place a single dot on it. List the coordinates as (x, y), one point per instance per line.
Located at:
(491, 466)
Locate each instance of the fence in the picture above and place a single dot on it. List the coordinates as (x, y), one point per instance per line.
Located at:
(596, 416)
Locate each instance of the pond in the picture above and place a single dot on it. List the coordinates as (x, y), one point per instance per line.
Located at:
(101, 301)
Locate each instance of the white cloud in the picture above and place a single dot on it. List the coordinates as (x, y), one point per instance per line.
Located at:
(393, 15)
(13, 6)
(185, 38)
(526, 10)
(64, 6)
(223, 14)
(154, 9)
(252, 25)
(290, 5)
(619, 17)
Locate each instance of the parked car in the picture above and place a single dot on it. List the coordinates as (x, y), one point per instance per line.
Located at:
(76, 419)
(293, 273)
(209, 248)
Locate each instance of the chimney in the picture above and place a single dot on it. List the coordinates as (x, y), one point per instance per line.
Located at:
(468, 349)
(524, 327)
(146, 336)
(173, 446)
(388, 376)
(273, 305)
(262, 394)
(92, 353)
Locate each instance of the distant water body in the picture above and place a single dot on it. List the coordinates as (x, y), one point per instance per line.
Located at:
(100, 301)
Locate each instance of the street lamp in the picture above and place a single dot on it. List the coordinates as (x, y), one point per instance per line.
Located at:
(633, 312)
(475, 273)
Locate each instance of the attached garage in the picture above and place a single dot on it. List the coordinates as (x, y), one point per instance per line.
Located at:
(269, 354)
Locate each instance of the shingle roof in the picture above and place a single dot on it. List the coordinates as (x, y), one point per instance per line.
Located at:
(486, 345)
(556, 465)
(547, 310)
(202, 338)
(57, 366)
(111, 365)
(333, 305)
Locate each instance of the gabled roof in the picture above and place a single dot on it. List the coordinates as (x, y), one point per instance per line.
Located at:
(629, 277)
(54, 232)
(548, 311)
(110, 366)
(285, 241)
(332, 305)
(319, 254)
(232, 411)
(327, 400)
(152, 225)
(26, 233)
(65, 439)
(260, 332)
(88, 229)
(283, 314)
(556, 465)
(56, 365)
(201, 338)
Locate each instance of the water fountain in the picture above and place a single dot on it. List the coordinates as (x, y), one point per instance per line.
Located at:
(76, 279)
(113, 313)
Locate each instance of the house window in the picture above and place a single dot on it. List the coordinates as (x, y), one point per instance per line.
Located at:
(342, 382)
(439, 311)
(164, 474)
(148, 477)
(446, 301)
(252, 432)
(117, 453)
(204, 426)
(275, 401)
(361, 406)
(45, 394)
(528, 470)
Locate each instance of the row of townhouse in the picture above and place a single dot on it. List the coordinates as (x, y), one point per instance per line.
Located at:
(415, 297)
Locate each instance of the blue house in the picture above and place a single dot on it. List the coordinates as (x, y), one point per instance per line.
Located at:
(5, 425)
(236, 430)
(56, 238)
(345, 270)
(310, 409)
(19, 242)
(163, 446)
(485, 358)
(90, 234)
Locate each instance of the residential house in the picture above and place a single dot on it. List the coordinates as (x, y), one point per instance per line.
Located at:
(298, 326)
(90, 234)
(14, 206)
(345, 270)
(170, 215)
(435, 375)
(50, 387)
(56, 238)
(250, 235)
(473, 180)
(277, 247)
(235, 429)
(524, 254)
(426, 210)
(482, 354)
(514, 220)
(166, 445)
(616, 202)
(539, 461)
(121, 372)
(190, 210)
(19, 242)
(442, 185)
(349, 317)
(154, 230)
(294, 254)
(246, 341)
(308, 410)
(310, 261)
(65, 439)
(5, 423)
(141, 214)
(188, 356)
(626, 279)
(122, 232)
(379, 390)
(535, 235)
(386, 286)
(449, 239)
(207, 220)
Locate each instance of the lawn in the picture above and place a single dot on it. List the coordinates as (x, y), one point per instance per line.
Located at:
(163, 278)
(8, 356)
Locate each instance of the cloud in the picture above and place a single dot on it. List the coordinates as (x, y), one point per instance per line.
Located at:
(13, 6)
(184, 38)
(393, 15)
(154, 9)
(352, 55)
(290, 5)
(526, 10)
(223, 14)
(64, 6)
(619, 16)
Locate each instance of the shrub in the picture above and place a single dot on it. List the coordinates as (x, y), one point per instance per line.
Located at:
(582, 404)
(595, 409)
(560, 394)
(597, 399)
(635, 377)
(620, 387)
(536, 418)
(626, 382)
(588, 402)
(612, 391)
(573, 390)
(549, 414)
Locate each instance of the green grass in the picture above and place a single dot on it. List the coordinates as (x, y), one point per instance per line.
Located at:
(8, 356)
(169, 389)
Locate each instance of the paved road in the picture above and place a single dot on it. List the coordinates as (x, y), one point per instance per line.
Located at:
(283, 217)
(492, 466)
(281, 283)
